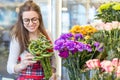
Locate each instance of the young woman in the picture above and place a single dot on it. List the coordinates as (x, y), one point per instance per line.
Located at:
(28, 27)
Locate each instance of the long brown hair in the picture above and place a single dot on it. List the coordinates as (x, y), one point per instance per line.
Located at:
(19, 31)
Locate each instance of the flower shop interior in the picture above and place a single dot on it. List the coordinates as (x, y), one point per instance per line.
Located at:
(60, 17)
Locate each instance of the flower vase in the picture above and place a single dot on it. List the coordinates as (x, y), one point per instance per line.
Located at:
(73, 72)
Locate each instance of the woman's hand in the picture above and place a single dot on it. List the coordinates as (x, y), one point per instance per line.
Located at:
(27, 60)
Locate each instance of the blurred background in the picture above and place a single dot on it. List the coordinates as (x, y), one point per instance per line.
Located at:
(59, 16)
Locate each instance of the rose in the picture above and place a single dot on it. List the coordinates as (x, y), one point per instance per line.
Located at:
(94, 63)
(118, 71)
(108, 26)
(115, 62)
(115, 24)
(106, 69)
(107, 66)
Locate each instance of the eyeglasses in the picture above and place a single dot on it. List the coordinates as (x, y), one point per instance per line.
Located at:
(34, 20)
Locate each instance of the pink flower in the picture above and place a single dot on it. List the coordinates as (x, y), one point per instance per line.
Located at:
(119, 25)
(107, 66)
(100, 26)
(96, 62)
(89, 64)
(118, 71)
(93, 63)
(108, 26)
(115, 24)
(115, 62)
(119, 63)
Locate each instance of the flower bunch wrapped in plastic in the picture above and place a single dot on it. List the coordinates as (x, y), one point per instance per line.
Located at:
(109, 12)
(75, 50)
(42, 50)
(104, 70)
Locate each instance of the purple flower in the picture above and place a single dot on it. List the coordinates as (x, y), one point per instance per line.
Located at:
(64, 54)
(99, 47)
(59, 44)
(88, 47)
(66, 36)
(80, 46)
(70, 45)
(78, 36)
(96, 44)
(74, 51)
(65, 45)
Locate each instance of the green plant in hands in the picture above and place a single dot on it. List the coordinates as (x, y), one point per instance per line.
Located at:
(42, 50)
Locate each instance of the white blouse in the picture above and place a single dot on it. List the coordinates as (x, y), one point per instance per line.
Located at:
(13, 55)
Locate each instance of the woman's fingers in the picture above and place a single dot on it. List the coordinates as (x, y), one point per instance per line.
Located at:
(25, 63)
(28, 54)
(28, 60)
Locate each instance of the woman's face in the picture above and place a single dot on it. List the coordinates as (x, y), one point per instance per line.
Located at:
(31, 21)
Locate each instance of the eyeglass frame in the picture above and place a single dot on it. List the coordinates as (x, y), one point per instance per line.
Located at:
(32, 20)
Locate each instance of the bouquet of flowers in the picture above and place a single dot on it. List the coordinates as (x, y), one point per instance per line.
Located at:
(109, 12)
(42, 50)
(104, 70)
(75, 49)
(108, 34)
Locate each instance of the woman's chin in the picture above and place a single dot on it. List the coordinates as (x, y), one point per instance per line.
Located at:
(32, 30)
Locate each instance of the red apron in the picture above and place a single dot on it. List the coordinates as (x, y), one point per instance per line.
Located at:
(32, 72)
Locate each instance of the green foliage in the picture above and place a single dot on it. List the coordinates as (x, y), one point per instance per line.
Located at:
(97, 74)
(111, 41)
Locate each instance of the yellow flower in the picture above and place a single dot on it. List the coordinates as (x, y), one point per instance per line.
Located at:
(89, 29)
(116, 7)
(87, 37)
(85, 29)
(109, 12)
(75, 29)
(104, 7)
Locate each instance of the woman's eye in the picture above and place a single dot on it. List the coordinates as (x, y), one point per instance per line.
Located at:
(34, 19)
(25, 20)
